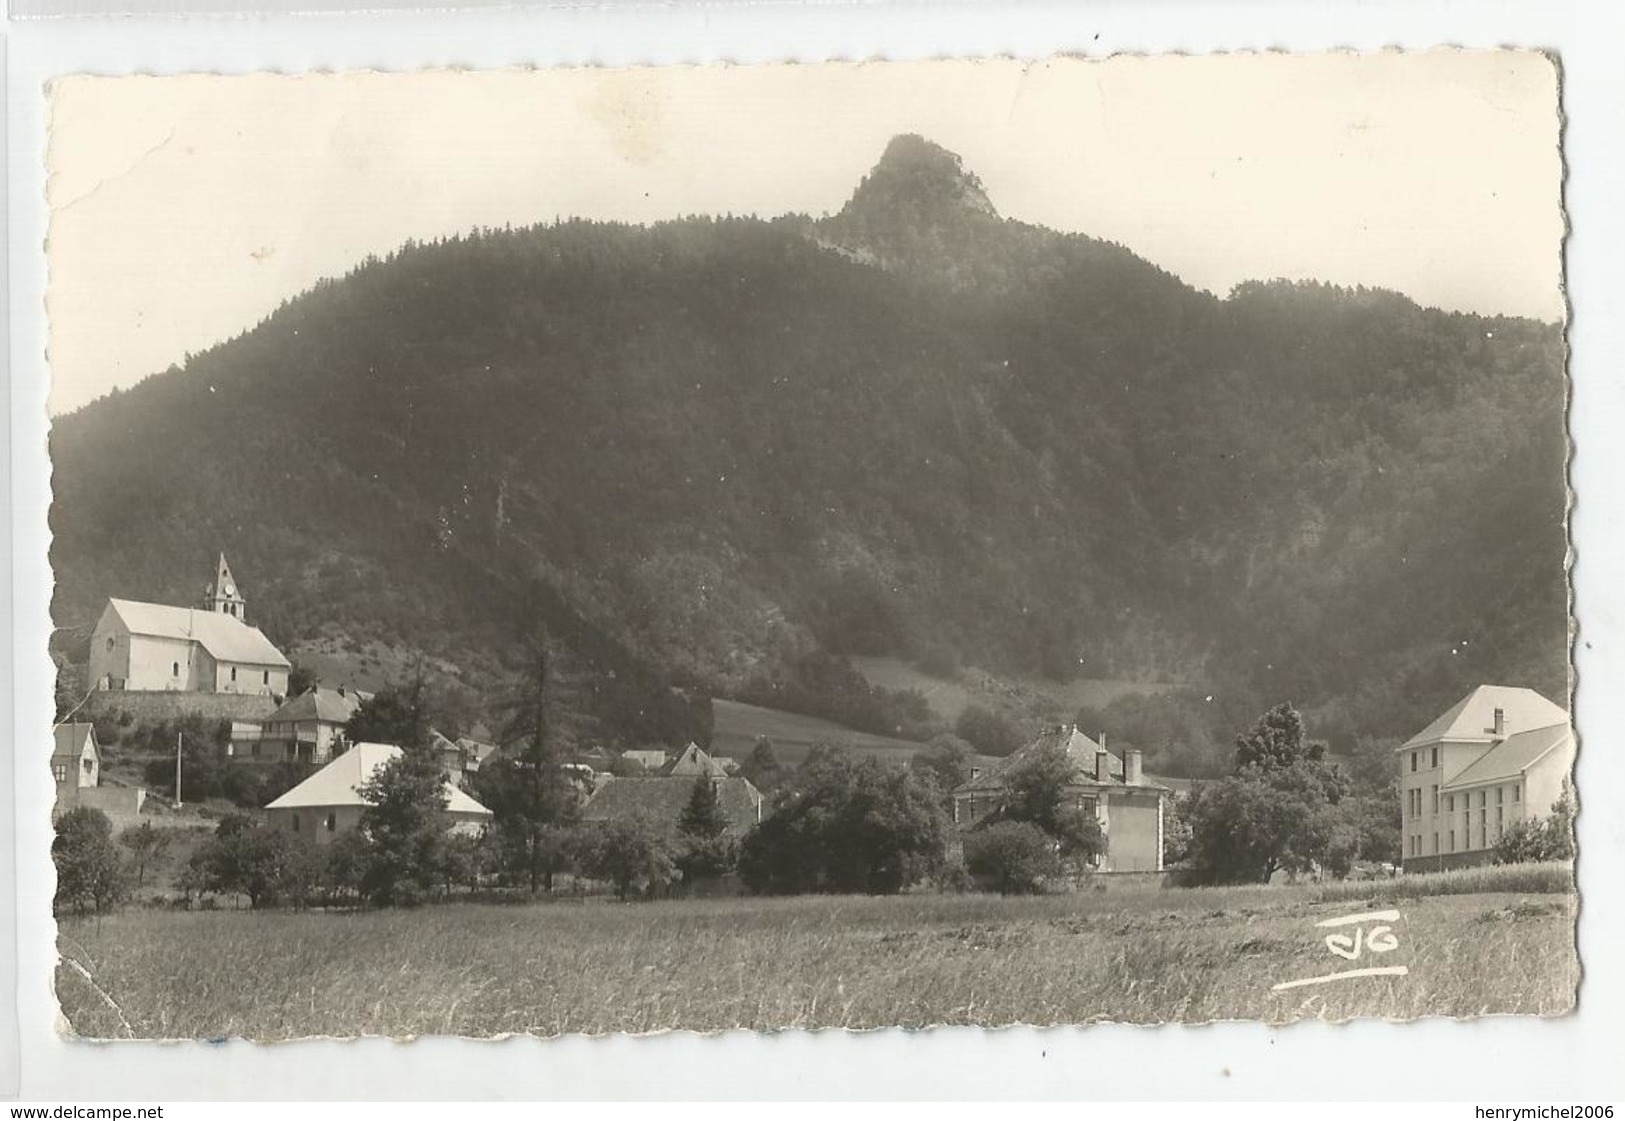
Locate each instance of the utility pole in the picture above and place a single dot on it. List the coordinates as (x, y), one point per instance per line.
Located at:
(177, 768)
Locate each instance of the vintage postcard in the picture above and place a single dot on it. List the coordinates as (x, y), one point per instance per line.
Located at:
(883, 545)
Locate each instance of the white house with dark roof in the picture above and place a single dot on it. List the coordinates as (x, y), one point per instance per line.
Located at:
(209, 649)
(1498, 756)
(460, 758)
(1129, 804)
(308, 728)
(76, 761)
(329, 801)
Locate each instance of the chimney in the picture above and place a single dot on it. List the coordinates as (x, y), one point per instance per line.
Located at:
(1131, 766)
(1103, 766)
(1500, 722)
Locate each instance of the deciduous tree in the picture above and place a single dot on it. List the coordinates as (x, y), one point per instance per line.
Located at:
(148, 847)
(90, 875)
(405, 822)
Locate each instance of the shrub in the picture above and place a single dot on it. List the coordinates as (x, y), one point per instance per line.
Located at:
(1017, 856)
(853, 827)
(1538, 839)
(632, 855)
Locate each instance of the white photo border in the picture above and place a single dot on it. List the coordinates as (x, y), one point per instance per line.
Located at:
(1504, 1059)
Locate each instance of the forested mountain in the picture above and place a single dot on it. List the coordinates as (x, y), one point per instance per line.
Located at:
(717, 447)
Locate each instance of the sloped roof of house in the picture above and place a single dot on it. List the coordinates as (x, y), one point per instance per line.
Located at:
(468, 751)
(327, 705)
(660, 800)
(227, 639)
(339, 783)
(71, 740)
(1080, 748)
(694, 761)
(1514, 755)
(1472, 719)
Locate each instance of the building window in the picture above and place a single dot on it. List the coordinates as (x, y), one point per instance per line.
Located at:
(234, 673)
(1515, 794)
(1450, 803)
(1452, 840)
(1435, 758)
(1435, 798)
(1435, 844)
(174, 669)
(88, 765)
(1415, 755)
(1500, 820)
(111, 642)
(60, 770)
(1483, 833)
(296, 823)
(1483, 795)
(332, 821)
(1500, 794)
(267, 677)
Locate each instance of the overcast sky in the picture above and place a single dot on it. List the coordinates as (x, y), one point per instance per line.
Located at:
(185, 209)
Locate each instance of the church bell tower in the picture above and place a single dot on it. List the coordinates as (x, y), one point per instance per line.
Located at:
(223, 595)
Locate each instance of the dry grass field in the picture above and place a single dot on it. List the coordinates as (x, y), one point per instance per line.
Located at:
(1139, 955)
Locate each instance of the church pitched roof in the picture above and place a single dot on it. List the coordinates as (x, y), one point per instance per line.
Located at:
(225, 638)
(339, 783)
(1472, 719)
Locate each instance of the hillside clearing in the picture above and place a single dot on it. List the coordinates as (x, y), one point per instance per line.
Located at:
(738, 725)
(1026, 694)
(1139, 956)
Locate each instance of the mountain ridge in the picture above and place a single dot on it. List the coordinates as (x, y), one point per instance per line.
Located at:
(724, 447)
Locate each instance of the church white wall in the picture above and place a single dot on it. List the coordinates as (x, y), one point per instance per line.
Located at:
(165, 664)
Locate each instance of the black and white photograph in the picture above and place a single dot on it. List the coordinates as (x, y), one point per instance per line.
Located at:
(574, 551)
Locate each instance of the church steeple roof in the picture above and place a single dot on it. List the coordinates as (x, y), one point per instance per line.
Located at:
(223, 595)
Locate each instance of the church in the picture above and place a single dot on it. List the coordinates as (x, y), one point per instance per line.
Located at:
(207, 649)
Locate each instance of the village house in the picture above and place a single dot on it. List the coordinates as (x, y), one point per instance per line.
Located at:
(695, 761)
(308, 728)
(1498, 756)
(329, 801)
(1129, 805)
(460, 758)
(76, 765)
(659, 800)
(207, 649)
(76, 761)
(650, 759)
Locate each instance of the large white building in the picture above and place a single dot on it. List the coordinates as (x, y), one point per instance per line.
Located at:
(1498, 756)
(208, 649)
(329, 801)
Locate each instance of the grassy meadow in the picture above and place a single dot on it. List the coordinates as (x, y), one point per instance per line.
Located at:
(1503, 943)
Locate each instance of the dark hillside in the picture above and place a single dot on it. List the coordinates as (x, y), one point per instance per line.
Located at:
(721, 446)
